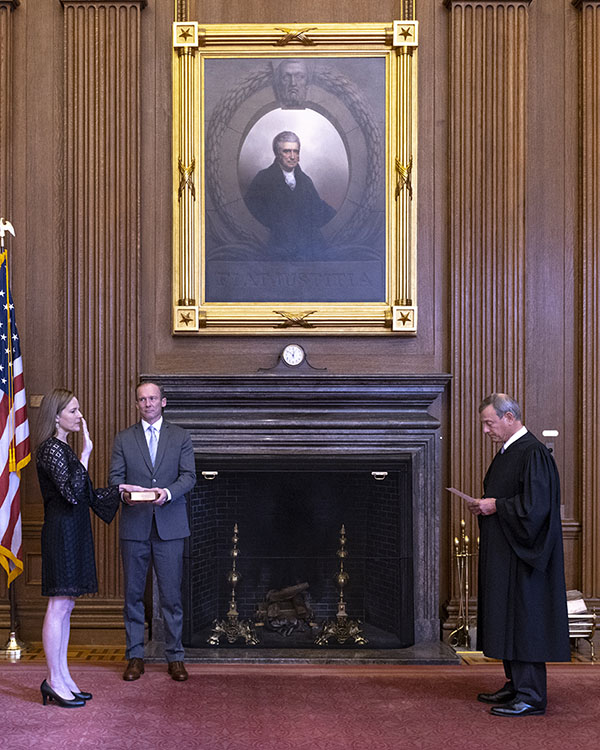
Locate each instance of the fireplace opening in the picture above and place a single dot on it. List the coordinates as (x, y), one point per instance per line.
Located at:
(289, 517)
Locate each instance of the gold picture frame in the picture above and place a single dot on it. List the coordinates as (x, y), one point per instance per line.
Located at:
(334, 250)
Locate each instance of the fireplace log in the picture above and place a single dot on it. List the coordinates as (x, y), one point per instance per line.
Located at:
(285, 610)
(289, 592)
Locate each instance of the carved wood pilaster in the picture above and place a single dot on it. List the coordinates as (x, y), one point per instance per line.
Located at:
(590, 289)
(487, 98)
(6, 105)
(102, 230)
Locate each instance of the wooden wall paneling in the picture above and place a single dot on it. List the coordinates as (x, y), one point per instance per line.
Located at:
(590, 302)
(487, 164)
(273, 11)
(35, 127)
(552, 227)
(6, 104)
(102, 233)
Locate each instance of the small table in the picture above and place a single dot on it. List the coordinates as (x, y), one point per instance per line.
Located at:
(583, 626)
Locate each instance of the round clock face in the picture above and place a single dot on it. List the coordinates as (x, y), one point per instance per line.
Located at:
(293, 354)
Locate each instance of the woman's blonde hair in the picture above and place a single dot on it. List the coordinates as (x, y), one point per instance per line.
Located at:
(52, 404)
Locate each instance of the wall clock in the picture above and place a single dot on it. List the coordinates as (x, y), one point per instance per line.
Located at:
(292, 359)
(293, 355)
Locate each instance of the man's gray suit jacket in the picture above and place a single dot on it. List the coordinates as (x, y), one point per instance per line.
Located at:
(174, 469)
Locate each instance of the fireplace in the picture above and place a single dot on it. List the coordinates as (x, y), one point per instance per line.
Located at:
(289, 459)
(289, 521)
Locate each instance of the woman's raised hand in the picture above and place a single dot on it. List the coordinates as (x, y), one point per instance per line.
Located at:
(88, 446)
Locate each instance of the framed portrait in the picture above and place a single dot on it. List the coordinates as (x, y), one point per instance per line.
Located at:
(294, 179)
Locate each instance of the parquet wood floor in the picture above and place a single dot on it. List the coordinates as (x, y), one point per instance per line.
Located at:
(35, 652)
(109, 654)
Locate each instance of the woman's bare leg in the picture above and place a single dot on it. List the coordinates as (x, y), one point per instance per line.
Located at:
(55, 638)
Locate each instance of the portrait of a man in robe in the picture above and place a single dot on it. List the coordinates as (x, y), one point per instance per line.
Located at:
(294, 180)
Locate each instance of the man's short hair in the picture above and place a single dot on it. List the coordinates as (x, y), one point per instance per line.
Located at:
(150, 382)
(285, 135)
(502, 403)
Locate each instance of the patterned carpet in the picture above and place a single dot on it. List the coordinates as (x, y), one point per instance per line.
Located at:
(294, 707)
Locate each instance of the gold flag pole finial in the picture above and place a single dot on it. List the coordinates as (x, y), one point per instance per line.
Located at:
(5, 226)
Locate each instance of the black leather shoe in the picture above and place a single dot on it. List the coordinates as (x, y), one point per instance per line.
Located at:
(517, 708)
(48, 695)
(83, 695)
(504, 695)
(134, 669)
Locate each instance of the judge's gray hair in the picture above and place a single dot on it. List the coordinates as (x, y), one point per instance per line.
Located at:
(502, 403)
(285, 135)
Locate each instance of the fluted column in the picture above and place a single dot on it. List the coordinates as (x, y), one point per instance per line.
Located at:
(102, 228)
(487, 167)
(590, 233)
(6, 106)
(184, 10)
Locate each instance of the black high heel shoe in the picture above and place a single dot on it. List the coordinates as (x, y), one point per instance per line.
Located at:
(49, 695)
(83, 695)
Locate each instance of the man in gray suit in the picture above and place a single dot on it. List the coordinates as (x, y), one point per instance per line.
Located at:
(159, 455)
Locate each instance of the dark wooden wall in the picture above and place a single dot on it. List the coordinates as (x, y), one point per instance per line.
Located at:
(508, 237)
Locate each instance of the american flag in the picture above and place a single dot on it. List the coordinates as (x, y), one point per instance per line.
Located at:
(14, 431)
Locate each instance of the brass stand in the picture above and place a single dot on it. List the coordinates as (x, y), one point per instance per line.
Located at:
(233, 628)
(459, 637)
(342, 628)
(14, 647)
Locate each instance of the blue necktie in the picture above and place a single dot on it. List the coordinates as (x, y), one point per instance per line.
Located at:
(152, 443)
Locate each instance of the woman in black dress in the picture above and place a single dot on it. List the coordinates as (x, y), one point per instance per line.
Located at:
(68, 565)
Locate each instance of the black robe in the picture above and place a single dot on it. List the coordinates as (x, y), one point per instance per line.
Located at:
(522, 608)
(295, 217)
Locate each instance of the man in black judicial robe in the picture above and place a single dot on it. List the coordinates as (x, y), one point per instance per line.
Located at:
(522, 608)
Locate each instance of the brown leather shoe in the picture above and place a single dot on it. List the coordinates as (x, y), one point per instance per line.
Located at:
(177, 671)
(134, 669)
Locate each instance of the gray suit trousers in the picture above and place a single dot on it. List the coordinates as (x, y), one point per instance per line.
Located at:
(167, 559)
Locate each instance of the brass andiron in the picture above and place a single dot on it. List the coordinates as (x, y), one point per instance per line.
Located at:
(233, 628)
(460, 637)
(342, 629)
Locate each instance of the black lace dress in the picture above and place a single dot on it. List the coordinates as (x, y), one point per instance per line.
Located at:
(68, 565)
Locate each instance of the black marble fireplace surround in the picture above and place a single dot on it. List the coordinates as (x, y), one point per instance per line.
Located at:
(294, 456)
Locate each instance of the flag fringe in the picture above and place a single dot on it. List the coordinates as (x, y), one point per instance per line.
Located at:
(6, 558)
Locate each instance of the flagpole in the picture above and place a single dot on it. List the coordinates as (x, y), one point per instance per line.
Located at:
(14, 646)
(6, 226)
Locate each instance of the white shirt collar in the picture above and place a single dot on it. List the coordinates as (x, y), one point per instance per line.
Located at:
(289, 177)
(157, 424)
(518, 434)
